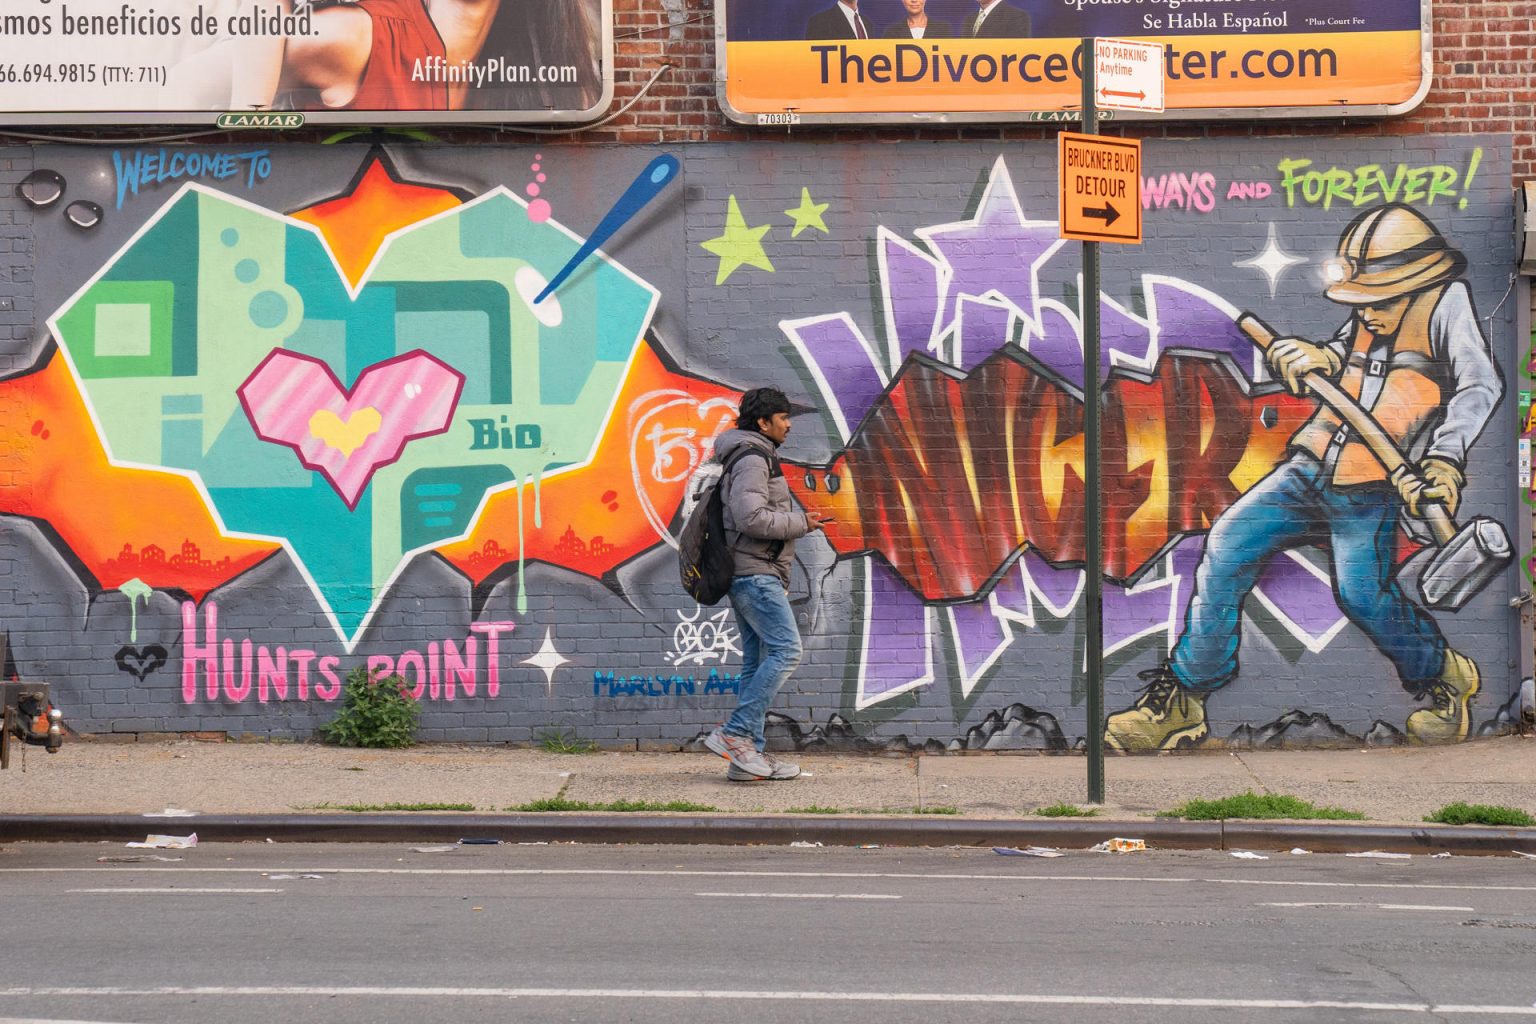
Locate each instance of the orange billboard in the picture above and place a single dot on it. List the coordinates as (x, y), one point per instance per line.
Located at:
(874, 61)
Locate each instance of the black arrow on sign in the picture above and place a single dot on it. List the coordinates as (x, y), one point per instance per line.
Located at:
(1108, 214)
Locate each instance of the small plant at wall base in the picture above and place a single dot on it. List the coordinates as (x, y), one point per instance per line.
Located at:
(558, 741)
(375, 712)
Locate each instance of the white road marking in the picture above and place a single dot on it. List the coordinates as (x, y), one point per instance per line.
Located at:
(589, 872)
(805, 895)
(1378, 906)
(1038, 999)
(1414, 906)
(172, 890)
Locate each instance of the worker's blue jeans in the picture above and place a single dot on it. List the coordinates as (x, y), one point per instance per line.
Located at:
(1290, 507)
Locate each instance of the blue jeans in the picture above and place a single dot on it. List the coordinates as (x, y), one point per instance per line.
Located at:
(1290, 507)
(770, 650)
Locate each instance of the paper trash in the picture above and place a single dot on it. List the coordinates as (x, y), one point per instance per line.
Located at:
(1381, 855)
(1248, 855)
(166, 843)
(1118, 845)
(1028, 851)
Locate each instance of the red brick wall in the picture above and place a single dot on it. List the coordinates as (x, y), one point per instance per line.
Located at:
(1482, 83)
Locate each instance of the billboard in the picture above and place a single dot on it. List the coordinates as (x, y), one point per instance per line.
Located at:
(873, 61)
(337, 61)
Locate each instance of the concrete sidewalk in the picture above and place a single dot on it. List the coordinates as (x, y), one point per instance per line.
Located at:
(281, 782)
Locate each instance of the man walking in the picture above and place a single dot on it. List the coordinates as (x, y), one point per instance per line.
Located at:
(761, 524)
(1413, 354)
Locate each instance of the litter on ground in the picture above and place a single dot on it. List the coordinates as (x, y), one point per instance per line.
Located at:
(803, 843)
(1119, 845)
(1381, 855)
(1248, 855)
(171, 812)
(166, 843)
(136, 858)
(1028, 851)
(433, 849)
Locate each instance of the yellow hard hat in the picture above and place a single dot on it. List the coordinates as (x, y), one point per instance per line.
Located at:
(1388, 252)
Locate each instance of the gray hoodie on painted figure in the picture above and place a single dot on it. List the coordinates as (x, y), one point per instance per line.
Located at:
(760, 514)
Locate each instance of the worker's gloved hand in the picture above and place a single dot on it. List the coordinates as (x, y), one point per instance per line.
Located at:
(1436, 481)
(1293, 358)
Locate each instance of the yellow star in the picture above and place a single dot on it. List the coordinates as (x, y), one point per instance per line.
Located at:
(740, 244)
(808, 214)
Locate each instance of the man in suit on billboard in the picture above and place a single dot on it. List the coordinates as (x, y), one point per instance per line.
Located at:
(995, 19)
(840, 21)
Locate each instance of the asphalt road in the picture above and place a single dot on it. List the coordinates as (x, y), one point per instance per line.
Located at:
(241, 933)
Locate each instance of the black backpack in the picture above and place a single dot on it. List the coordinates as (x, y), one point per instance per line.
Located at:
(704, 559)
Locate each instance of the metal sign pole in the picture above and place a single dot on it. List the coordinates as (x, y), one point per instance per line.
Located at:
(1094, 555)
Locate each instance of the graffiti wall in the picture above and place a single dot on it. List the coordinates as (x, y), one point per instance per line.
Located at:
(273, 414)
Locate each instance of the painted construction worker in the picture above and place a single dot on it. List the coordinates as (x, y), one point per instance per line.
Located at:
(1413, 354)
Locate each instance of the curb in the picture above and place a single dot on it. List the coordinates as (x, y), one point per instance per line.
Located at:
(777, 830)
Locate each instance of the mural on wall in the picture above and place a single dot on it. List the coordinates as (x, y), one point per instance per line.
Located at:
(460, 430)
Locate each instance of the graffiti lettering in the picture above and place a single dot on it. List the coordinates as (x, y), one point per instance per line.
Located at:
(696, 642)
(233, 672)
(1195, 191)
(488, 435)
(1249, 190)
(667, 454)
(1372, 183)
(612, 684)
(140, 168)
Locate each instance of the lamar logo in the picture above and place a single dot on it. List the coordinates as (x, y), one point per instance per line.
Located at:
(261, 119)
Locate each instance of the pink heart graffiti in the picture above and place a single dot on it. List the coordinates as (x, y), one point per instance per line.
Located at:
(296, 400)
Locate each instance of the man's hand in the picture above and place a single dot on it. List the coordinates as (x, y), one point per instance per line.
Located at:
(1293, 358)
(1436, 481)
(815, 521)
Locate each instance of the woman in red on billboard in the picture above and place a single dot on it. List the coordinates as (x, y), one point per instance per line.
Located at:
(358, 55)
(386, 54)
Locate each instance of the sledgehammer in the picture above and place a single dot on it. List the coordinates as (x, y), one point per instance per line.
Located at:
(1468, 558)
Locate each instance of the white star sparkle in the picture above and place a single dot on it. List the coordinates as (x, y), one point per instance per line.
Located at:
(548, 659)
(1272, 261)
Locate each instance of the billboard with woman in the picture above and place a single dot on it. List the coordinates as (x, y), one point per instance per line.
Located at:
(422, 61)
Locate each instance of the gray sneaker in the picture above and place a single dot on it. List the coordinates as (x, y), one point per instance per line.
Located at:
(782, 770)
(740, 751)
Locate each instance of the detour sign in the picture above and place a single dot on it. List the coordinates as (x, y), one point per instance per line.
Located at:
(1100, 188)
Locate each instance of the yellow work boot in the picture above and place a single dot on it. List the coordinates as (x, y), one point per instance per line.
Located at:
(1165, 717)
(1448, 716)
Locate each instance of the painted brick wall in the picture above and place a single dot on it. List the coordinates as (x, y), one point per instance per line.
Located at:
(622, 637)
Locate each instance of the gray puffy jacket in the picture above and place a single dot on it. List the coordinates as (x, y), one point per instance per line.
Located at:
(760, 515)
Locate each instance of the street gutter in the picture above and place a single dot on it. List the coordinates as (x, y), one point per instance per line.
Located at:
(775, 830)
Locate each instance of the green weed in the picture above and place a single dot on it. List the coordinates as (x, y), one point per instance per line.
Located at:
(1065, 810)
(560, 803)
(558, 741)
(1460, 813)
(1252, 805)
(375, 712)
(396, 807)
